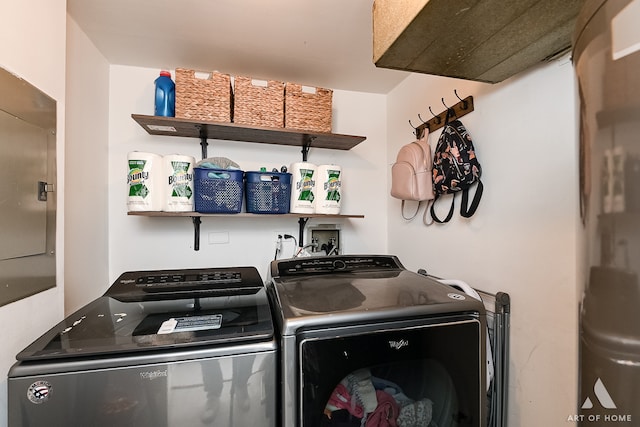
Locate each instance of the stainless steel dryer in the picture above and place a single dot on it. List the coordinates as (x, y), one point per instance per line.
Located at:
(365, 340)
(160, 348)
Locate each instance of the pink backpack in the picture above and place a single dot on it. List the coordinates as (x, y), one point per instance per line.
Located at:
(411, 177)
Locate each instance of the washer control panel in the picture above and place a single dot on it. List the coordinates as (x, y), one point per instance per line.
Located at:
(185, 283)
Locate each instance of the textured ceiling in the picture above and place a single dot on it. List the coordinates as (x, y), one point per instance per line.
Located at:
(324, 43)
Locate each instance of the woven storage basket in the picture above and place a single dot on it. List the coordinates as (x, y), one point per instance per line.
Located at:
(257, 105)
(307, 111)
(207, 99)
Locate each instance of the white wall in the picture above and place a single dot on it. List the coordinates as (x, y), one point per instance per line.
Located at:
(33, 47)
(522, 240)
(86, 224)
(148, 243)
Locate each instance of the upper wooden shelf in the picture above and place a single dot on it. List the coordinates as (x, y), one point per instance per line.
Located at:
(171, 126)
(487, 41)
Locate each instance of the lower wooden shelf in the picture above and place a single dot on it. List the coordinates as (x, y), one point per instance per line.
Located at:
(196, 218)
(239, 215)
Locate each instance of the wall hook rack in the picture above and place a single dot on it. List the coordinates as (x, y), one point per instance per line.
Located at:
(462, 108)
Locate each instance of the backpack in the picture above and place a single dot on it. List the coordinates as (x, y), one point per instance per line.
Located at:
(411, 177)
(456, 169)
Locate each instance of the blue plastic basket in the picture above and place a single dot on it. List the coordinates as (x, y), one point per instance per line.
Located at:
(218, 190)
(268, 192)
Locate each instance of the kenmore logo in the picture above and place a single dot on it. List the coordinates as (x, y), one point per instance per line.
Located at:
(398, 344)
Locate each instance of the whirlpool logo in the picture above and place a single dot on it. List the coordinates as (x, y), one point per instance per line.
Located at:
(397, 345)
(152, 375)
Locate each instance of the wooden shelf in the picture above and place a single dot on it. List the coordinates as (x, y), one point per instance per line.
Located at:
(238, 215)
(171, 126)
(196, 218)
(499, 39)
(203, 130)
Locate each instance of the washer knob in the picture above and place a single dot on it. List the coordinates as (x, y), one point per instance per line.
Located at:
(339, 264)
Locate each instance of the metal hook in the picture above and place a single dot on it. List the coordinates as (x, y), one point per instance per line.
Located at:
(465, 105)
(424, 123)
(415, 129)
(438, 119)
(450, 111)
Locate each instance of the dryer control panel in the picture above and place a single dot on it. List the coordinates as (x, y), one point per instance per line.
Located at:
(332, 264)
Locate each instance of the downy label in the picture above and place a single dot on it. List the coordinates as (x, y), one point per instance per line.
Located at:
(137, 177)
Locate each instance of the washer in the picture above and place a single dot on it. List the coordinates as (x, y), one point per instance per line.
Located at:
(363, 338)
(159, 348)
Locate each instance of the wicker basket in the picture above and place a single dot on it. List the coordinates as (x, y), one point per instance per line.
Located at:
(207, 99)
(307, 111)
(258, 105)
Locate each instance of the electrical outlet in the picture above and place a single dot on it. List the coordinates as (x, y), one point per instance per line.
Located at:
(285, 247)
(286, 233)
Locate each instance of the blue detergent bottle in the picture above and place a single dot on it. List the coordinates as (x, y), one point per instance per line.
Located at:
(165, 95)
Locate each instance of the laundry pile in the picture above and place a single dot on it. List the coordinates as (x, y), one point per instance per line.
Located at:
(217, 163)
(362, 400)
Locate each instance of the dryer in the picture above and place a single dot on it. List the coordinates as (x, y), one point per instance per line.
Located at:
(365, 340)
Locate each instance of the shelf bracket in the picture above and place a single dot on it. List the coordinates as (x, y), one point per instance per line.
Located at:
(302, 222)
(196, 232)
(202, 131)
(306, 144)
